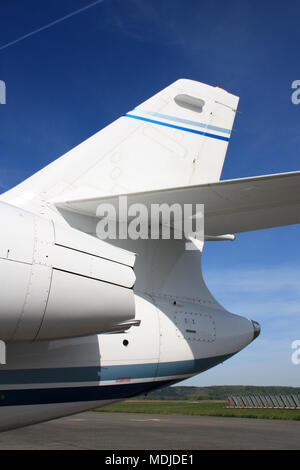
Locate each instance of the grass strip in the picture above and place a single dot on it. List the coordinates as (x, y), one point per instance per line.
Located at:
(204, 408)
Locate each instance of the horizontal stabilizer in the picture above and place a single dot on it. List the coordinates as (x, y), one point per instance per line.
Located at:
(230, 206)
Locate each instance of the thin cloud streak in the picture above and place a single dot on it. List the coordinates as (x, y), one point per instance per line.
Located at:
(49, 25)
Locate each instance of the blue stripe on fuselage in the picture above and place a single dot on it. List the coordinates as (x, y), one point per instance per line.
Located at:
(182, 120)
(187, 129)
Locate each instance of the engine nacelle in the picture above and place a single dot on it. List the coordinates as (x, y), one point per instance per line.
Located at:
(57, 282)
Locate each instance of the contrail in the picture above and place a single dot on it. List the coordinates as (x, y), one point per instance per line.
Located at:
(50, 24)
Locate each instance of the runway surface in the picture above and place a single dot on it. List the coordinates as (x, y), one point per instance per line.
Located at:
(136, 431)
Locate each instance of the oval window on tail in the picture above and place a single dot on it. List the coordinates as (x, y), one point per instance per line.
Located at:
(190, 102)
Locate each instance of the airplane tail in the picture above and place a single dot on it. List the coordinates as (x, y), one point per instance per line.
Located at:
(179, 137)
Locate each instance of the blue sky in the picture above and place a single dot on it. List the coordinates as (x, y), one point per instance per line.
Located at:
(70, 80)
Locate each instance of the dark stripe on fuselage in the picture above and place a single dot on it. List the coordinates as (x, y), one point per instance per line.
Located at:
(119, 391)
(43, 396)
(102, 373)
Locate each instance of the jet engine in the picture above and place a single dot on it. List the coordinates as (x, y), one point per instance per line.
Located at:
(57, 282)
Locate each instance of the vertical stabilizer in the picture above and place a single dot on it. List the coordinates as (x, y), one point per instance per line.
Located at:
(179, 137)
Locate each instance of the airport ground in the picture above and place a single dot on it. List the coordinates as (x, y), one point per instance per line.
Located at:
(140, 431)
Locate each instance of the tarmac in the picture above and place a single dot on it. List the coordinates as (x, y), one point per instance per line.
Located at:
(137, 431)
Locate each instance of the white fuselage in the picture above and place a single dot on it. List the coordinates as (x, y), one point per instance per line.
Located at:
(179, 336)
